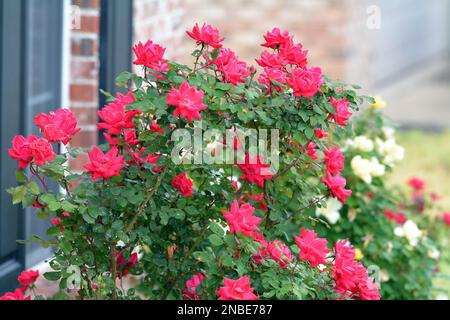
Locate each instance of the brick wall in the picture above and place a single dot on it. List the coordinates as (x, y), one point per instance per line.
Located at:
(162, 22)
(320, 25)
(159, 20)
(84, 66)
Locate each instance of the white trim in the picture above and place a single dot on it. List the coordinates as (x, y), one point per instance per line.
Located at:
(66, 55)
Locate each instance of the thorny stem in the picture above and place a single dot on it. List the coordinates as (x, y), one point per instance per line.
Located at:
(112, 257)
(147, 200)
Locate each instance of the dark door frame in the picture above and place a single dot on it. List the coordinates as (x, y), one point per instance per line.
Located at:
(16, 108)
(116, 38)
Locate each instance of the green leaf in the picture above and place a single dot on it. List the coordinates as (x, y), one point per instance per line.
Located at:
(215, 240)
(18, 193)
(34, 188)
(52, 276)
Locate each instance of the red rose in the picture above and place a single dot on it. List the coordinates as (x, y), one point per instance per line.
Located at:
(183, 184)
(42, 151)
(276, 38)
(342, 111)
(446, 218)
(311, 248)
(417, 183)
(237, 290)
(104, 165)
(190, 290)
(234, 71)
(16, 295)
(115, 117)
(241, 219)
(28, 277)
(305, 82)
(336, 184)
(206, 35)
(60, 125)
(187, 100)
(151, 55)
(21, 150)
(320, 134)
(254, 170)
(334, 160)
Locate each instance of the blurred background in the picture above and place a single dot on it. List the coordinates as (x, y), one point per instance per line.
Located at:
(59, 53)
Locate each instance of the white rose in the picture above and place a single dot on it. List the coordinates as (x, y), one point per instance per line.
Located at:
(388, 132)
(331, 212)
(410, 231)
(362, 168)
(391, 151)
(363, 143)
(377, 169)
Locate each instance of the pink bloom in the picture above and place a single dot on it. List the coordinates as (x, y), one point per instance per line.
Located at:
(130, 138)
(233, 70)
(320, 134)
(241, 219)
(259, 198)
(390, 214)
(28, 277)
(334, 160)
(187, 100)
(280, 252)
(155, 127)
(66, 214)
(342, 111)
(417, 183)
(104, 166)
(446, 218)
(30, 149)
(60, 125)
(270, 75)
(400, 218)
(254, 171)
(305, 82)
(294, 54)
(336, 184)
(56, 221)
(351, 278)
(151, 55)
(311, 150)
(16, 295)
(237, 289)
(311, 248)
(271, 60)
(41, 150)
(190, 290)
(115, 116)
(206, 35)
(183, 184)
(21, 150)
(276, 38)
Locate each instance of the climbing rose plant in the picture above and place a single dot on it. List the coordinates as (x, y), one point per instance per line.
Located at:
(195, 230)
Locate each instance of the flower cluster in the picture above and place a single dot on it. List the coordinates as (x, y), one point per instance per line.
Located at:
(26, 279)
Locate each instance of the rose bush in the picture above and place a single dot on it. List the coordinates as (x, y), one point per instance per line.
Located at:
(190, 227)
(389, 227)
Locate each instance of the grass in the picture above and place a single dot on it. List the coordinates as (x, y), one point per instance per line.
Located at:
(428, 156)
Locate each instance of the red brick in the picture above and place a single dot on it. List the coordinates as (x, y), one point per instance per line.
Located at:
(89, 24)
(83, 92)
(84, 70)
(85, 139)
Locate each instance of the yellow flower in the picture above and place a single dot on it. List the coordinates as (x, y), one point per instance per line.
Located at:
(379, 103)
(358, 254)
